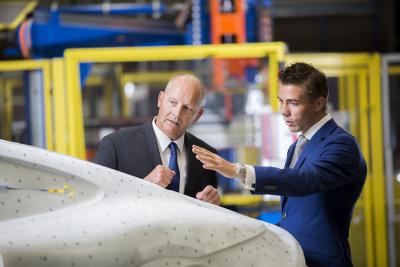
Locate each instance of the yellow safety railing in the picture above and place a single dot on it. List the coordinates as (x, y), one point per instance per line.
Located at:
(59, 107)
(6, 105)
(44, 66)
(29, 7)
(394, 70)
(73, 57)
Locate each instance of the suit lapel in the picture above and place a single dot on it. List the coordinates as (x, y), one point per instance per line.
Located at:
(287, 163)
(191, 159)
(151, 144)
(319, 136)
(290, 155)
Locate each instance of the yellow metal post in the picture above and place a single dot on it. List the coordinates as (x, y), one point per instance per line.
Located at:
(76, 145)
(8, 108)
(60, 113)
(364, 140)
(342, 93)
(30, 6)
(108, 98)
(377, 167)
(44, 66)
(352, 107)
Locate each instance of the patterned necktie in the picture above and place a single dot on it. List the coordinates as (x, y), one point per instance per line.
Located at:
(301, 141)
(173, 165)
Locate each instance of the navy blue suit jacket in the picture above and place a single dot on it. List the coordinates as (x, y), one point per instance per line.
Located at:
(135, 151)
(319, 194)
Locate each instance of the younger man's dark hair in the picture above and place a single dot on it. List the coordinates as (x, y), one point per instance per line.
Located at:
(303, 74)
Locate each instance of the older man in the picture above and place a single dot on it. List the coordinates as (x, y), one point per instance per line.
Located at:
(160, 151)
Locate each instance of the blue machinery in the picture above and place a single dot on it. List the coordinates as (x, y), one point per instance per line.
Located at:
(47, 32)
(52, 30)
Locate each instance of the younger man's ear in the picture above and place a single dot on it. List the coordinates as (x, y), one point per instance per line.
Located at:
(320, 104)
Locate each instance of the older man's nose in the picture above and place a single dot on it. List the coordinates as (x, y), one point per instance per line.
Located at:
(177, 110)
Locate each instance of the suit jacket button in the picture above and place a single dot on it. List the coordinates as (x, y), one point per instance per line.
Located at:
(284, 215)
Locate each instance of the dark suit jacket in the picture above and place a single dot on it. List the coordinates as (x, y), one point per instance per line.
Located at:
(134, 151)
(319, 194)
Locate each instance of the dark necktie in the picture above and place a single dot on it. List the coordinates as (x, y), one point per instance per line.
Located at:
(173, 165)
(301, 142)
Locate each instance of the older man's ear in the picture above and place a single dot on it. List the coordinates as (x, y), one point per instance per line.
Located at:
(198, 115)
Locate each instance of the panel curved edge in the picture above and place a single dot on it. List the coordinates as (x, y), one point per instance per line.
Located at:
(114, 219)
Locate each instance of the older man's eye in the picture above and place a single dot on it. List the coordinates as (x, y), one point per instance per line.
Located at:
(188, 109)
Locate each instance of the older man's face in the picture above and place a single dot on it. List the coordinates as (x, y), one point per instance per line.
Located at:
(178, 107)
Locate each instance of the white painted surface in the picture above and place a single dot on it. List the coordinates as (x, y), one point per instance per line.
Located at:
(115, 219)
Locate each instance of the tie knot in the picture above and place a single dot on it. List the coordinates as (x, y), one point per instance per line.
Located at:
(301, 141)
(173, 146)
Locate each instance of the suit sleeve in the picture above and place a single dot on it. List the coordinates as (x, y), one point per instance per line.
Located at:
(106, 153)
(338, 163)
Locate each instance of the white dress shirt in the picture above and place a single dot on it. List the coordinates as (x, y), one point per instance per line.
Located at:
(163, 142)
(250, 181)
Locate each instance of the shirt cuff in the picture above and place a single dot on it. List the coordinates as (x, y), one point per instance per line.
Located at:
(250, 181)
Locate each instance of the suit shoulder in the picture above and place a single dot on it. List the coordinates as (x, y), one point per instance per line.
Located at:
(342, 135)
(198, 142)
(341, 138)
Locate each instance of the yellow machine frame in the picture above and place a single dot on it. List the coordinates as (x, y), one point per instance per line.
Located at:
(30, 6)
(73, 57)
(44, 66)
(365, 69)
(6, 105)
(59, 105)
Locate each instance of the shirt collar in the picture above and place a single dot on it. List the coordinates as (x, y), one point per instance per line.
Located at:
(164, 140)
(313, 129)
